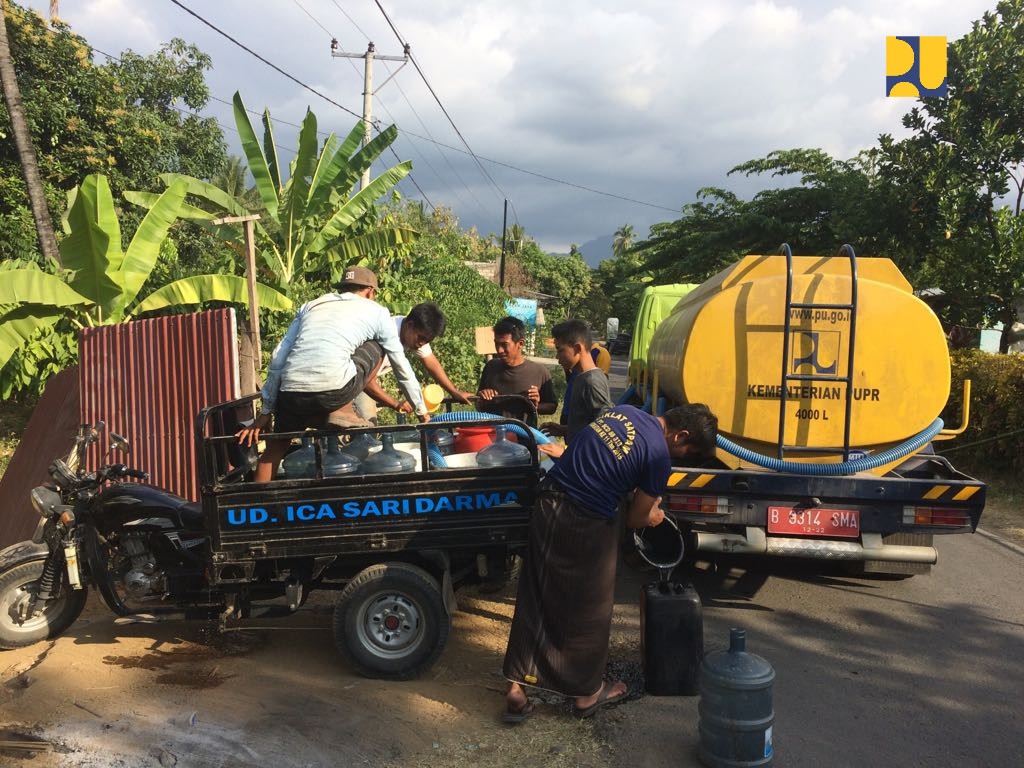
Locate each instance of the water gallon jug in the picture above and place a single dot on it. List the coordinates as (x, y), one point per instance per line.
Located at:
(335, 461)
(502, 452)
(671, 638)
(388, 460)
(300, 462)
(736, 714)
(362, 445)
(405, 435)
(444, 440)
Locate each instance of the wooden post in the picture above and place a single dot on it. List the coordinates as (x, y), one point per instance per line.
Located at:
(250, 358)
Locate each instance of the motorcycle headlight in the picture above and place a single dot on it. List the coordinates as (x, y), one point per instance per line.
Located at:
(45, 501)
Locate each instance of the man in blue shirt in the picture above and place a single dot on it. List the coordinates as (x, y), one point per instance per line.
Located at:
(560, 631)
(332, 349)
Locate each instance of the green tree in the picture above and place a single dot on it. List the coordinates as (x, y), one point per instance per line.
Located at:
(127, 119)
(624, 238)
(965, 166)
(103, 281)
(835, 202)
(565, 277)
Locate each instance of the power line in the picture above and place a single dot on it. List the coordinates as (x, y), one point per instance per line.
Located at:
(413, 109)
(333, 38)
(281, 71)
(276, 68)
(467, 151)
(433, 93)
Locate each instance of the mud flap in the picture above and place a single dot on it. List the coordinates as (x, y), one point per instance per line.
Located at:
(22, 552)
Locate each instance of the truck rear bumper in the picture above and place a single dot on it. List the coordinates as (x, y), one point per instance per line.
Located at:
(871, 547)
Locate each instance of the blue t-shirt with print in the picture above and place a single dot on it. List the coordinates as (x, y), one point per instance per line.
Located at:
(623, 449)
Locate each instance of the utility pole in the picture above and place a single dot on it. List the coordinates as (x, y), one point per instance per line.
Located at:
(251, 359)
(368, 91)
(504, 230)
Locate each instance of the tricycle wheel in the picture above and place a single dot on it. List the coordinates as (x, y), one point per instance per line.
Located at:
(18, 585)
(390, 621)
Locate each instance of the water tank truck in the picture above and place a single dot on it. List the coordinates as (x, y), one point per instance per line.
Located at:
(828, 376)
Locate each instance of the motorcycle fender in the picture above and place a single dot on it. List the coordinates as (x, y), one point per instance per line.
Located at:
(22, 552)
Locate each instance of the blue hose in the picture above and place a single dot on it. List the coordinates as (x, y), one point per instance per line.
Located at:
(845, 468)
(437, 459)
(628, 395)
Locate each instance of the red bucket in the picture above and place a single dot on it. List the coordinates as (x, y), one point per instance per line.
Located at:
(472, 439)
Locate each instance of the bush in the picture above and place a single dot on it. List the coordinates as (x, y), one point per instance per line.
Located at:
(994, 439)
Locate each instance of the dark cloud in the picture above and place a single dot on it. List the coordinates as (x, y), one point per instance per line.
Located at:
(648, 100)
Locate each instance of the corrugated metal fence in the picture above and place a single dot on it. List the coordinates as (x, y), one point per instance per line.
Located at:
(148, 379)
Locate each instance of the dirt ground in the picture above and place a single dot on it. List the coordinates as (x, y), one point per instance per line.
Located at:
(108, 696)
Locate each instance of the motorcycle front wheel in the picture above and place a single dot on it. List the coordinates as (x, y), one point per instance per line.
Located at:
(18, 585)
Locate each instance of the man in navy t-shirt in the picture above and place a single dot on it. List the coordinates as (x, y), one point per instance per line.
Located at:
(562, 622)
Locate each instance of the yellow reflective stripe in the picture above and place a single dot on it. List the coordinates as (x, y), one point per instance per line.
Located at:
(701, 481)
(675, 478)
(935, 492)
(967, 492)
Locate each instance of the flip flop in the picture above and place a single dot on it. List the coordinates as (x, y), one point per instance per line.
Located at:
(516, 716)
(604, 699)
(347, 421)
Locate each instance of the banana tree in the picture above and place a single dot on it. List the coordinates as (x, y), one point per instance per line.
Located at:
(310, 222)
(101, 282)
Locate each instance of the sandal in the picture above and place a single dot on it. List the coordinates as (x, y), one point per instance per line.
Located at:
(604, 699)
(516, 716)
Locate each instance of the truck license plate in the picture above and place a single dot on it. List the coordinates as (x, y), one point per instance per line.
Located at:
(814, 522)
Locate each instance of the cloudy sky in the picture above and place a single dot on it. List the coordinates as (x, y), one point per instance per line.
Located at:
(646, 99)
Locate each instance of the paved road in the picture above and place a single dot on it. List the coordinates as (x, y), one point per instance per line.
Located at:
(927, 671)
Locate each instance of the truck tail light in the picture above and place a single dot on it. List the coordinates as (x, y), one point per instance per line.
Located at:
(699, 505)
(936, 516)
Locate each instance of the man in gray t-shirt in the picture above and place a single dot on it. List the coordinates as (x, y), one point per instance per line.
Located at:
(510, 373)
(589, 393)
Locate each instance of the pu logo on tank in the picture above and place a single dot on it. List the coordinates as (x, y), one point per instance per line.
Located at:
(818, 349)
(915, 66)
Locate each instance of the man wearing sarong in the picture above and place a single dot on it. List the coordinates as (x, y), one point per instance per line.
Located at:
(562, 622)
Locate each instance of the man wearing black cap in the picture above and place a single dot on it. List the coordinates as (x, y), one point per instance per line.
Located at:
(332, 349)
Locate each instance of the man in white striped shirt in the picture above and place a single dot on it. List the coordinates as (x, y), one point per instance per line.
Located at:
(331, 351)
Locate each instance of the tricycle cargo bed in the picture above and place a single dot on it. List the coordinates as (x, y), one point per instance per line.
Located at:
(372, 514)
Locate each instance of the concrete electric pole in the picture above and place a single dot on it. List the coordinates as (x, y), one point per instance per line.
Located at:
(368, 91)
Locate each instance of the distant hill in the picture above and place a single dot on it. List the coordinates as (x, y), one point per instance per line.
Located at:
(597, 250)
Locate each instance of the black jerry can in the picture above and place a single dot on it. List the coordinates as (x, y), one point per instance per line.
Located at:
(671, 638)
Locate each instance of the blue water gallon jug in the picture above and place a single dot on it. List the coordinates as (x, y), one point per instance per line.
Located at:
(736, 714)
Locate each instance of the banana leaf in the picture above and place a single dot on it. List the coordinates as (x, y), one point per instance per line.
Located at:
(92, 250)
(364, 158)
(358, 205)
(254, 154)
(270, 151)
(144, 249)
(187, 212)
(18, 327)
(352, 249)
(208, 191)
(320, 192)
(200, 289)
(297, 188)
(31, 286)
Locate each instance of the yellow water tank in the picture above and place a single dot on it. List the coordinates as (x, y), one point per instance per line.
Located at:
(723, 346)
